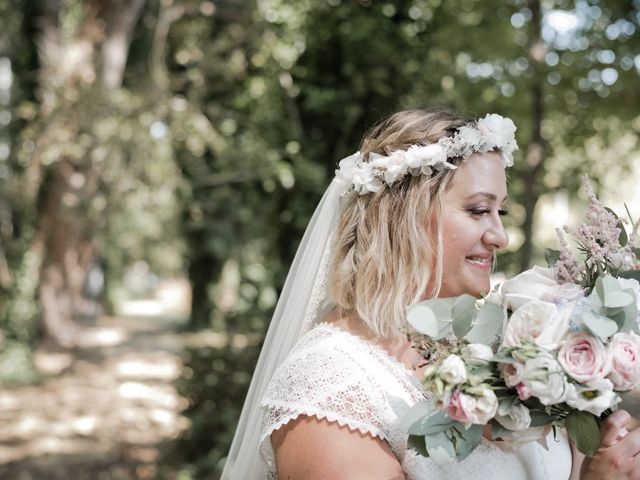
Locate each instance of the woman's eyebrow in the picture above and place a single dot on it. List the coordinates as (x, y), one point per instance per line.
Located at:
(487, 195)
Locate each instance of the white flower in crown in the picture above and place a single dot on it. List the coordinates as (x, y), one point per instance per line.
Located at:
(365, 181)
(347, 170)
(498, 132)
(493, 132)
(393, 167)
(469, 136)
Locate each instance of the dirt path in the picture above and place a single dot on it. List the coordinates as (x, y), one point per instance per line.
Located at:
(104, 412)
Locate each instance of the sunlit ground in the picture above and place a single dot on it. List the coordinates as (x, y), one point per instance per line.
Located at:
(104, 411)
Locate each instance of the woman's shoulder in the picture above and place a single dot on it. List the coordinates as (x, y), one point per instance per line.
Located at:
(326, 357)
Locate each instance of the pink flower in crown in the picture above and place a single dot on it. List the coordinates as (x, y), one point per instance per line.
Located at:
(584, 357)
(624, 349)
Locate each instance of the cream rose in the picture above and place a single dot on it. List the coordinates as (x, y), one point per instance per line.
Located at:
(584, 357)
(544, 379)
(542, 323)
(516, 419)
(538, 283)
(511, 373)
(452, 370)
(477, 353)
(486, 405)
(477, 406)
(460, 406)
(624, 350)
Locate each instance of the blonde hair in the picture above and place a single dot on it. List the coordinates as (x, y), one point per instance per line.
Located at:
(387, 242)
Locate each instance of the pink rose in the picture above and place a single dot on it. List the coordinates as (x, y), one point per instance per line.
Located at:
(486, 405)
(523, 392)
(461, 406)
(624, 349)
(511, 372)
(584, 357)
(478, 408)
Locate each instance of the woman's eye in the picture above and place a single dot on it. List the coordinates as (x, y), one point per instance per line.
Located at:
(483, 211)
(478, 211)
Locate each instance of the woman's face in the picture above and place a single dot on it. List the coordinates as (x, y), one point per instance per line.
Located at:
(472, 225)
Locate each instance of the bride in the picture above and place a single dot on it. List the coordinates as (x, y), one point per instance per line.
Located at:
(415, 214)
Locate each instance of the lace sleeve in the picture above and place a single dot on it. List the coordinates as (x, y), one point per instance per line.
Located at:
(327, 382)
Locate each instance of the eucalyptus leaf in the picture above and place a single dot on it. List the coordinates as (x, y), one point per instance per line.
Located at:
(634, 274)
(423, 319)
(468, 441)
(409, 422)
(539, 418)
(439, 444)
(498, 431)
(625, 317)
(503, 356)
(432, 317)
(505, 405)
(600, 326)
(434, 423)
(463, 312)
(551, 256)
(617, 299)
(419, 444)
(488, 324)
(583, 431)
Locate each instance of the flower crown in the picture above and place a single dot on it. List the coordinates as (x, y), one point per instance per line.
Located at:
(493, 132)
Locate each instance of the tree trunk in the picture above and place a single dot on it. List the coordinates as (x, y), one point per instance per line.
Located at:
(66, 236)
(536, 150)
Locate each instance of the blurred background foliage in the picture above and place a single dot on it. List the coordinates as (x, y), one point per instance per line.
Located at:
(197, 137)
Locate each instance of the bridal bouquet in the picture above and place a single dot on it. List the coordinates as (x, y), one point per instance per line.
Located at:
(552, 347)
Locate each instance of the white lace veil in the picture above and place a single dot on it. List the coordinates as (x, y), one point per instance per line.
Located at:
(303, 301)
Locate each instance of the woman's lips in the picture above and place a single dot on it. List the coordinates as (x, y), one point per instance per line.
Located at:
(482, 262)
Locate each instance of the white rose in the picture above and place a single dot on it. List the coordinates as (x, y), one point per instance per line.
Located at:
(529, 285)
(486, 404)
(517, 418)
(512, 373)
(452, 370)
(542, 323)
(544, 378)
(595, 398)
(477, 353)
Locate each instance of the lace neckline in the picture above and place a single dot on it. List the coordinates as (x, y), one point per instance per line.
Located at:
(376, 349)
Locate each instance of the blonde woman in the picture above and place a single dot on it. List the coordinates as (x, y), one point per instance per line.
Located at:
(415, 214)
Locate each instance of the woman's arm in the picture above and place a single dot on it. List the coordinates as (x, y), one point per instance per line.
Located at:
(318, 449)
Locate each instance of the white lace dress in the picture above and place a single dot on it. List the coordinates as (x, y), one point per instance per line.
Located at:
(334, 375)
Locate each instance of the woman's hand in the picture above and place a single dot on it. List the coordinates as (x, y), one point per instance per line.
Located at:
(617, 457)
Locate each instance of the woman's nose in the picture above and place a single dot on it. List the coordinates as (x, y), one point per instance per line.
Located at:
(496, 235)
